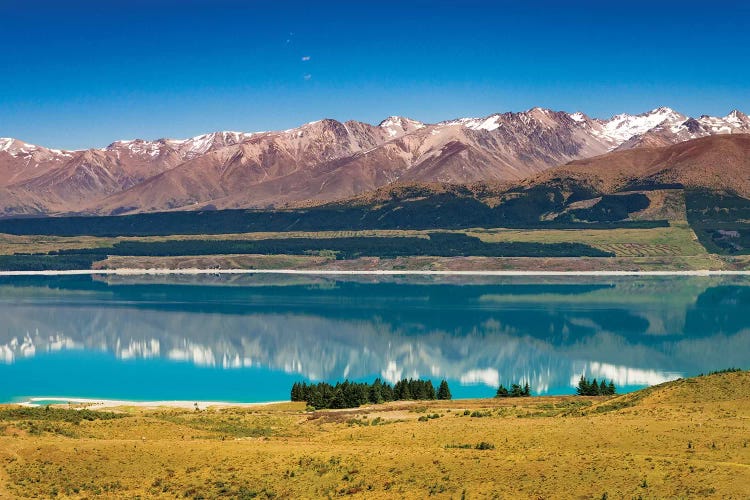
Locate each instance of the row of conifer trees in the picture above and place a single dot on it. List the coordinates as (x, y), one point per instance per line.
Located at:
(588, 387)
(348, 394)
(515, 391)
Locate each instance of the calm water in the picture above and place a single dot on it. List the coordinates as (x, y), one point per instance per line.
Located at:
(245, 339)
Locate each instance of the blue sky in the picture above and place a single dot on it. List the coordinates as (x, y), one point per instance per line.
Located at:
(82, 73)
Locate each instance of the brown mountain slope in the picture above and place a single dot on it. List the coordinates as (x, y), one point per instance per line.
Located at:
(329, 160)
(720, 162)
(324, 160)
(241, 170)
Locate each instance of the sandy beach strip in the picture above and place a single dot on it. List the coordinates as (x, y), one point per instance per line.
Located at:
(332, 272)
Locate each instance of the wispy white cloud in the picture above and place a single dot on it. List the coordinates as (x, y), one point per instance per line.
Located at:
(307, 76)
(305, 58)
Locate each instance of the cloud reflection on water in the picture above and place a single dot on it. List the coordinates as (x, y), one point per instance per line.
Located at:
(632, 331)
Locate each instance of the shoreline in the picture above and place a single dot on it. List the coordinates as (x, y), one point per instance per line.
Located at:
(99, 404)
(384, 272)
(102, 404)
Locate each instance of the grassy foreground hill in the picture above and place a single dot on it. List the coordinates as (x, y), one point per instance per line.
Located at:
(683, 439)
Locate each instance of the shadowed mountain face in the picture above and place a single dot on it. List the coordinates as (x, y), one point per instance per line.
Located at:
(322, 161)
(720, 163)
(255, 339)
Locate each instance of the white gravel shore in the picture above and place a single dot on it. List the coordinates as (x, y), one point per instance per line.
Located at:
(98, 404)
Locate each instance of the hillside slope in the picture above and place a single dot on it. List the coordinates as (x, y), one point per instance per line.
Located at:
(668, 445)
(719, 163)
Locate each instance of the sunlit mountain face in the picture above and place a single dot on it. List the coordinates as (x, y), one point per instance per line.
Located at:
(249, 340)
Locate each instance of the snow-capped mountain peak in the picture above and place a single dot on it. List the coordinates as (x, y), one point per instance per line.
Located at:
(737, 117)
(186, 148)
(398, 125)
(488, 123)
(219, 167)
(578, 117)
(5, 143)
(620, 128)
(201, 144)
(16, 147)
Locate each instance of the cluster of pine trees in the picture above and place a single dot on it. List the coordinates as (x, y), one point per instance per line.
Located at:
(588, 387)
(348, 394)
(516, 391)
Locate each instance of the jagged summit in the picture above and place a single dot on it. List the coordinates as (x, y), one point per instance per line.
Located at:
(399, 125)
(324, 160)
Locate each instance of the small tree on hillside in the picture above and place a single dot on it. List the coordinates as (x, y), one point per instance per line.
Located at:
(430, 390)
(583, 387)
(516, 391)
(443, 391)
(502, 392)
(594, 388)
(297, 394)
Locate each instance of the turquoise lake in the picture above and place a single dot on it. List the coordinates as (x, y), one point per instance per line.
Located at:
(248, 338)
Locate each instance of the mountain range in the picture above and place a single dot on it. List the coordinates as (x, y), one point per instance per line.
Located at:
(329, 160)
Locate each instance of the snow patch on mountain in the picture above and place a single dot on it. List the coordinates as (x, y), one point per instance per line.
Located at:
(399, 125)
(622, 127)
(5, 143)
(577, 117)
(489, 123)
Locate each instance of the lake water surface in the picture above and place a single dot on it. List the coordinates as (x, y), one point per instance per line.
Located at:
(248, 338)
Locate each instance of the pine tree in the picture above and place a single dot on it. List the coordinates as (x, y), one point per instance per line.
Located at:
(526, 389)
(611, 388)
(594, 388)
(603, 388)
(339, 399)
(387, 392)
(583, 387)
(294, 396)
(444, 391)
(516, 391)
(502, 392)
(430, 390)
(419, 390)
(401, 390)
(375, 395)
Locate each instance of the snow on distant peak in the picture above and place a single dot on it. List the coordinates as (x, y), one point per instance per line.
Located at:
(16, 147)
(138, 147)
(491, 123)
(736, 117)
(488, 123)
(202, 143)
(395, 125)
(622, 127)
(577, 117)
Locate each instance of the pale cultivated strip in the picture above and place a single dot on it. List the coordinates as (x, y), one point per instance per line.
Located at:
(377, 272)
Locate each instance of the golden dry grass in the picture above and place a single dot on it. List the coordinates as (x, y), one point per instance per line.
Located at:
(687, 439)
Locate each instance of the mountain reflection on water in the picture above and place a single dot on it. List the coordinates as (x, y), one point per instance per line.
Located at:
(636, 331)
